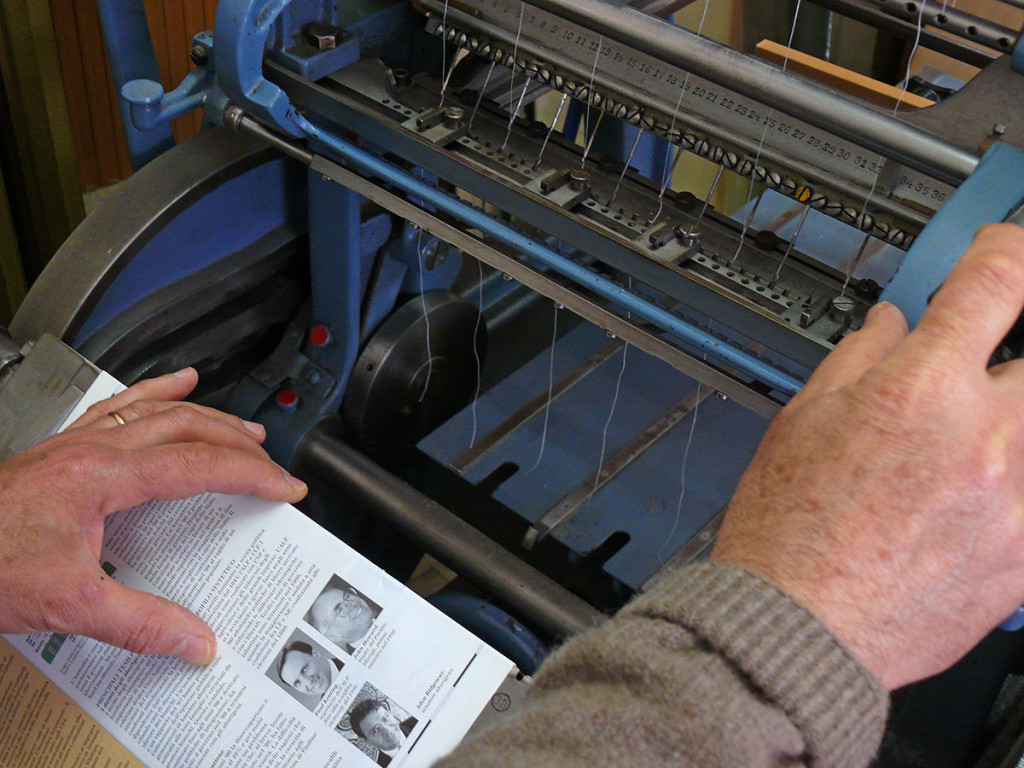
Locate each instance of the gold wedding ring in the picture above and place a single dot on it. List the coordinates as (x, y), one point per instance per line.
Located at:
(118, 418)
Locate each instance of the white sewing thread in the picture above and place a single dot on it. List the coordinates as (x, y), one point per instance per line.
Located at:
(792, 242)
(512, 76)
(710, 194)
(476, 349)
(590, 141)
(547, 138)
(515, 113)
(607, 424)
(590, 100)
(444, 52)
(874, 184)
(480, 96)
(625, 167)
(551, 393)
(682, 478)
(675, 113)
(426, 316)
(760, 145)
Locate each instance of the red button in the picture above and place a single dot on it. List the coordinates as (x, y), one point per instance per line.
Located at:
(287, 399)
(320, 336)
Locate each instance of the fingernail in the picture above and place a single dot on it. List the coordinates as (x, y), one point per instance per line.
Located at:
(194, 650)
(256, 429)
(185, 373)
(294, 482)
(882, 306)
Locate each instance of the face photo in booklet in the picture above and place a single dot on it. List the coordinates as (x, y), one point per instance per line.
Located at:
(304, 669)
(377, 725)
(342, 614)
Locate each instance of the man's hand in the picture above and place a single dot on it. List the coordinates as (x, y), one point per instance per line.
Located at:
(55, 496)
(888, 496)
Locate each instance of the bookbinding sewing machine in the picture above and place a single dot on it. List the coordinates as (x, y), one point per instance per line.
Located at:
(380, 207)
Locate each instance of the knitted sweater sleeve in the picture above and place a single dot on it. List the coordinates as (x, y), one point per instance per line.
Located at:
(714, 668)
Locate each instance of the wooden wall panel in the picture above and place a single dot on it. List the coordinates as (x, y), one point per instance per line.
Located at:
(92, 103)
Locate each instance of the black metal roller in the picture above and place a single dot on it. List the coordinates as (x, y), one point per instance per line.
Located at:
(398, 393)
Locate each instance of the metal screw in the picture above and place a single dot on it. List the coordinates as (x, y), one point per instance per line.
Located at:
(199, 55)
(689, 236)
(721, 396)
(840, 308)
(453, 117)
(579, 179)
(609, 334)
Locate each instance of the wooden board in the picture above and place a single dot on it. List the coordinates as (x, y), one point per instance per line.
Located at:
(845, 80)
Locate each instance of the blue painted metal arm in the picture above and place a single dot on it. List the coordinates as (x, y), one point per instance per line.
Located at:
(131, 56)
(150, 106)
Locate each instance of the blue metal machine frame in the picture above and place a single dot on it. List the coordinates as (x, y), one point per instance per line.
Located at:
(344, 244)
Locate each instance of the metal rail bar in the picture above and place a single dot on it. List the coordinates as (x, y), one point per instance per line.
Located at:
(949, 19)
(865, 12)
(764, 82)
(575, 499)
(464, 549)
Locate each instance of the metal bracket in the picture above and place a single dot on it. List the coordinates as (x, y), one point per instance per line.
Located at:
(40, 393)
(242, 30)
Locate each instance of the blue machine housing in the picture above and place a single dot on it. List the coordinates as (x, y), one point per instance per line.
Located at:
(350, 242)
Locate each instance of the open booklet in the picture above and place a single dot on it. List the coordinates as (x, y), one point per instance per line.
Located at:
(322, 659)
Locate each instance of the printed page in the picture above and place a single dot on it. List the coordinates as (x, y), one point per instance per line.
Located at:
(40, 727)
(105, 386)
(323, 659)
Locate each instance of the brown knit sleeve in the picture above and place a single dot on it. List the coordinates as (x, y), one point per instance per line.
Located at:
(715, 668)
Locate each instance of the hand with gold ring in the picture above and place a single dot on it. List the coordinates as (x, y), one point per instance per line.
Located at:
(141, 444)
